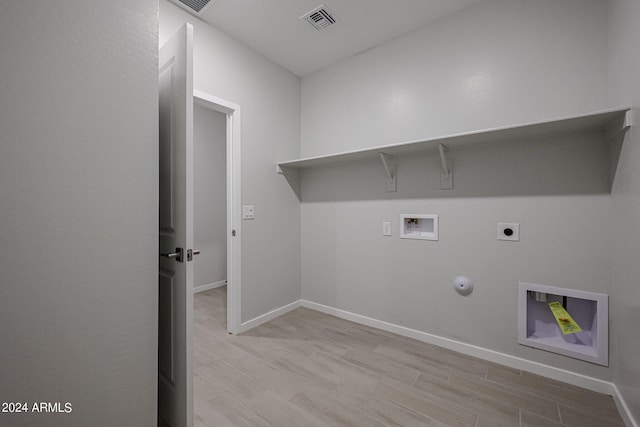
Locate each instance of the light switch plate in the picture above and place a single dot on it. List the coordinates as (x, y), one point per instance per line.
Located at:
(386, 228)
(248, 212)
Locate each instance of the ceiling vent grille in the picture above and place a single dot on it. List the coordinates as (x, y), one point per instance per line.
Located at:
(196, 7)
(320, 18)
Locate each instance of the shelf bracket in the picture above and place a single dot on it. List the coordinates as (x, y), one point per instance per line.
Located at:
(389, 164)
(446, 169)
(443, 158)
(286, 170)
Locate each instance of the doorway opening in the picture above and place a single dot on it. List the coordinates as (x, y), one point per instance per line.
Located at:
(217, 200)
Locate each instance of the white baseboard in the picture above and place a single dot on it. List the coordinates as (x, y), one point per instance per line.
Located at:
(250, 324)
(579, 380)
(208, 286)
(627, 416)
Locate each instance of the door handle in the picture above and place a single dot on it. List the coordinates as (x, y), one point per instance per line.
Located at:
(177, 255)
(171, 255)
(191, 253)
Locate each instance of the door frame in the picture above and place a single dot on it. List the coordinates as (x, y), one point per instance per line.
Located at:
(234, 204)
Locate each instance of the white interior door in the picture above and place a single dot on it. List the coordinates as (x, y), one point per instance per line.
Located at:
(175, 370)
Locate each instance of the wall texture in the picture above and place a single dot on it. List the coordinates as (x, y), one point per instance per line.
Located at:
(269, 97)
(78, 210)
(210, 195)
(497, 63)
(624, 69)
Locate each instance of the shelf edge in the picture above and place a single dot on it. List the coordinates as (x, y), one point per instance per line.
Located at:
(336, 157)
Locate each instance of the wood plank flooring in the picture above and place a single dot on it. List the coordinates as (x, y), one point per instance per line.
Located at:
(306, 368)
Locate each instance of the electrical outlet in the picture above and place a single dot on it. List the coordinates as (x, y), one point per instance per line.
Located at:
(509, 231)
(248, 212)
(386, 228)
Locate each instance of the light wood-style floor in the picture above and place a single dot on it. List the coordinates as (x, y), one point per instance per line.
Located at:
(311, 369)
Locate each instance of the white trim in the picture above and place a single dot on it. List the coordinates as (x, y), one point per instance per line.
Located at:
(203, 99)
(208, 286)
(234, 204)
(623, 408)
(579, 380)
(250, 324)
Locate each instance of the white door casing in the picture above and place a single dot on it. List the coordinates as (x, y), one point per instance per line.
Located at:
(234, 204)
(175, 280)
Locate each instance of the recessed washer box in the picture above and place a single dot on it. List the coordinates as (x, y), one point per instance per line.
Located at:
(419, 226)
(537, 327)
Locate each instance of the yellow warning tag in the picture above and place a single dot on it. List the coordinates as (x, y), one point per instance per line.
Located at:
(566, 322)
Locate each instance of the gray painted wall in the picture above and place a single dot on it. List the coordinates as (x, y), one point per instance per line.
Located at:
(500, 62)
(210, 195)
(497, 63)
(78, 210)
(624, 69)
(269, 97)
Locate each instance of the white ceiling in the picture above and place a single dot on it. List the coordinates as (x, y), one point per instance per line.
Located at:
(272, 27)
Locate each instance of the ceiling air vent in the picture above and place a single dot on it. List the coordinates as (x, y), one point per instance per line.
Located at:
(320, 18)
(196, 7)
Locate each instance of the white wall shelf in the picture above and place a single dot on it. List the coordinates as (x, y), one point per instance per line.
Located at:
(611, 121)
